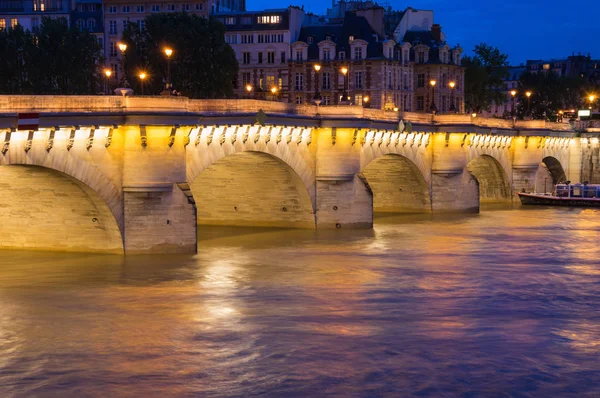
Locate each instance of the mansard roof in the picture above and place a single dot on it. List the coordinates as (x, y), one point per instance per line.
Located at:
(340, 33)
(415, 37)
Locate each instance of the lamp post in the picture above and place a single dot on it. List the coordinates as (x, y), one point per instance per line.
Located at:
(367, 101)
(168, 53)
(142, 77)
(248, 89)
(317, 94)
(592, 98)
(123, 48)
(344, 71)
(528, 94)
(274, 92)
(108, 74)
(432, 108)
(452, 85)
(513, 94)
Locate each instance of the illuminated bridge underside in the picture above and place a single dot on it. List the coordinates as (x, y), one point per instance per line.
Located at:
(252, 189)
(47, 210)
(397, 185)
(493, 183)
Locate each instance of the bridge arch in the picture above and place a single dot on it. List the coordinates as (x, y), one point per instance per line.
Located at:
(252, 188)
(398, 185)
(549, 173)
(46, 209)
(494, 185)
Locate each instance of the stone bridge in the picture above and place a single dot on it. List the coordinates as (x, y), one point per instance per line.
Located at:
(138, 174)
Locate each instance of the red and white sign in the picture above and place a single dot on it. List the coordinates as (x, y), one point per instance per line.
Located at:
(28, 121)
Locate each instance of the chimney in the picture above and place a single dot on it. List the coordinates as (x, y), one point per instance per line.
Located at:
(436, 32)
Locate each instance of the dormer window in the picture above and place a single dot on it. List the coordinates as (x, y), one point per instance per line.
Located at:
(350, 39)
(309, 40)
(421, 57)
(328, 38)
(342, 55)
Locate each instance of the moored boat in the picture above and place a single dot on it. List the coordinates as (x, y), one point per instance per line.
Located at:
(574, 195)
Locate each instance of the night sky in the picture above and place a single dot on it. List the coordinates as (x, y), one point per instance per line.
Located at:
(525, 29)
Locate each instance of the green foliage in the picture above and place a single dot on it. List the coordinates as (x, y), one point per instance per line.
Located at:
(202, 64)
(485, 72)
(56, 60)
(550, 93)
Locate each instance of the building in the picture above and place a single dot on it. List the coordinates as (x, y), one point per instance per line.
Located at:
(504, 109)
(375, 73)
(261, 41)
(438, 75)
(573, 66)
(29, 13)
(87, 16)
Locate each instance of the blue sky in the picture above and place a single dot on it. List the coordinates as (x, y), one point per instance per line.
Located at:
(526, 29)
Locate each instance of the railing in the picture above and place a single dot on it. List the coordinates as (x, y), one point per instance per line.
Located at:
(113, 104)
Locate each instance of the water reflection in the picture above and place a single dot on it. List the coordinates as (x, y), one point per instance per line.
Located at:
(504, 303)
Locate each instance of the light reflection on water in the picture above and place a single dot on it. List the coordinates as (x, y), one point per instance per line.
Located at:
(505, 303)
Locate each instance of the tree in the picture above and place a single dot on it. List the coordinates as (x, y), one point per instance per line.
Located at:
(485, 72)
(203, 65)
(55, 60)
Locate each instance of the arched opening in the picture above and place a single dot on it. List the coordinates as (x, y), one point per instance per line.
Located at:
(45, 209)
(491, 178)
(252, 189)
(398, 185)
(550, 172)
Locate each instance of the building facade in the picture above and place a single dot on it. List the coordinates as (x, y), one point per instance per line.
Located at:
(29, 13)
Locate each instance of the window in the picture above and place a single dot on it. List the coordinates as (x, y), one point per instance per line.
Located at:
(112, 27)
(80, 24)
(421, 80)
(246, 58)
(298, 55)
(101, 42)
(390, 53)
(199, 7)
(357, 80)
(14, 22)
(299, 81)
(421, 57)
(246, 79)
(91, 24)
(546, 66)
(299, 100)
(309, 40)
(280, 83)
(270, 82)
(260, 57)
(326, 100)
(271, 57)
(326, 54)
(350, 39)
(358, 53)
(268, 19)
(126, 8)
(445, 104)
(358, 99)
(420, 103)
(113, 49)
(405, 104)
(231, 39)
(112, 9)
(342, 55)
(246, 20)
(282, 60)
(125, 23)
(155, 8)
(405, 57)
(115, 69)
(230, 21)
(2, 23)
(405, 81)
(326, 80)
(81, 8)
(91, 7)
(171, 7)
(185, 7)
(139, 8)
(141, 24)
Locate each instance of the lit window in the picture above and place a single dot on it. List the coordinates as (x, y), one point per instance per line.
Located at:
(14, 22)
(268, 19)
(350, 39)
(546, 66)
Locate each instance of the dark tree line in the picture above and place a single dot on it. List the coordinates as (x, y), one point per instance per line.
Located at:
(57, 59)
(203, 65)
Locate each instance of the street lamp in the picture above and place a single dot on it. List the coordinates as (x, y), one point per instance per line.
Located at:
(123, 48)
(168, 53)
(142, 77)
(432, 108)
(317, 94)
(513, 94)
(274, 92)
(345, 96)
(367, 101)
(107, 73)
(592, 98)
(248, 89)
(528, 94)
(452, 85)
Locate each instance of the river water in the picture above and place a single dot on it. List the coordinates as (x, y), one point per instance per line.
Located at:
(500, 304)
